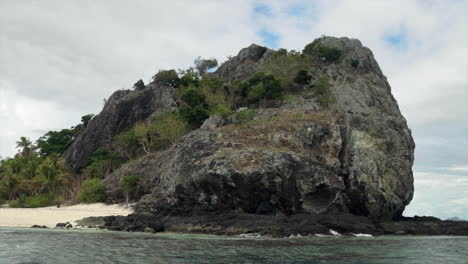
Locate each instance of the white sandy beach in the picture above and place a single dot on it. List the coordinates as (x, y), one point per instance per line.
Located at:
(50, 216)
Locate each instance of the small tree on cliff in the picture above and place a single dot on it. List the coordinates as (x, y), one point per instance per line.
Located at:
(203, 65)
(140, 85)
(130, 186)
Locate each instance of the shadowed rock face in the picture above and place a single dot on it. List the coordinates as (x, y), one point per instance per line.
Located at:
(355, 157)
(121, 111)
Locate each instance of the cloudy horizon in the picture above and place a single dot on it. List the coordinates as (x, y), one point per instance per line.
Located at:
(60, 59)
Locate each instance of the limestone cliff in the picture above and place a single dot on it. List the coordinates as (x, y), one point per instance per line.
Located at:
(354, 156)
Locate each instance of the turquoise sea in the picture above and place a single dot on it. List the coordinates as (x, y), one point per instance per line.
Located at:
(26, 245)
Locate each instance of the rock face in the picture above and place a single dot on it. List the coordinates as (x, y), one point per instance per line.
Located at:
(242, 65)
(123, 109)
(354, 157)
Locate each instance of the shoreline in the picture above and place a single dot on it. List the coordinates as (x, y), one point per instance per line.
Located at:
(51, 216)
(120, 217)
(234, 224)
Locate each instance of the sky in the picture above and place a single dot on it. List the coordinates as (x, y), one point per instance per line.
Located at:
(60, 59)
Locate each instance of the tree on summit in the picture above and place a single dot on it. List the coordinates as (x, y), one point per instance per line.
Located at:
(203, 65)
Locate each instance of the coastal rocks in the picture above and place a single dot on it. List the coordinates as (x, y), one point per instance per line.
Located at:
(64, 225)
(91, 222)
(38, 226)
(235, 224)
(426, 225)
(133, 222)
(121, 111)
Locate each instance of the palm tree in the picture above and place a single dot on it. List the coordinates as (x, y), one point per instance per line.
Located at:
(54, 177)
(26, 147)
(9, 184)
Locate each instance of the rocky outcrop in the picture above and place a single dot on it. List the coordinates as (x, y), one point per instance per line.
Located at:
(243, 65)
(234, 223)
(300, 158)
(426, 225)
(121, 111)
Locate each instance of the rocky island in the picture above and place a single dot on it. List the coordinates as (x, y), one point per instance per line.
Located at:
(273, 142)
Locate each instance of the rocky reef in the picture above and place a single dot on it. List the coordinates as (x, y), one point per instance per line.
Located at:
(297, 160)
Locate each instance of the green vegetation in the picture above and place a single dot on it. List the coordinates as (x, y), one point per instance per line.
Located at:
(194, 108)
(302, 77)
(285, 67)
(203, 65)
(158, 132)
(86, 118)
(188, 78)
(221, 110)
(55, 142)
(139, 85)
(169, 78)
(92, 191)
(102, 163)
(244, 116)
(323, 92)
(168, 126)
(130, 186)
(260, 87)
(127, 143)
(325, 52)
(24, 201)
(354, 63)
(30, 179)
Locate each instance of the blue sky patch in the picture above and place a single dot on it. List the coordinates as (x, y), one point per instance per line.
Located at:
(397, 39)
(296, 10)
(262, 9)
(269, 38)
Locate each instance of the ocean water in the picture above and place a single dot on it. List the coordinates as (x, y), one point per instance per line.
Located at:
(26, 245)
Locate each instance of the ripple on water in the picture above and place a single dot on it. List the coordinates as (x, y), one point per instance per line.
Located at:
(21, 245)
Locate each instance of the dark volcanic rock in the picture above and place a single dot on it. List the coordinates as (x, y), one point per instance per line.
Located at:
(234, 223)
(123, 109)
(133, 222)
(38, 226)
(64, 225)
(459, 228)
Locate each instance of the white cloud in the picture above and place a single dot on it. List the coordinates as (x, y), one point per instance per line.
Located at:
(64, 57)
(440, 194)
(458, 168)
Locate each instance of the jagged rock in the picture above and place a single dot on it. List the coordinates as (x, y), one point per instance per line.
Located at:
(298, 158)
(64, 225)
(123, 109)
(213, 122)
(243, 65)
